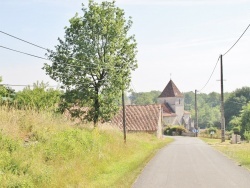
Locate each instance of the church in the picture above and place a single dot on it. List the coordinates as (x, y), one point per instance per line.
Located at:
(172, 102)
(152, 118)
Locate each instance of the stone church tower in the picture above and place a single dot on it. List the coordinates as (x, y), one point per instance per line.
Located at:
(172, 101)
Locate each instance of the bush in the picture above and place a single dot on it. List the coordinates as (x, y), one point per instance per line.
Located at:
(39, 97)
(177, 130)
(217, 133)
(247, 136)
(212, 129)
(236, 130)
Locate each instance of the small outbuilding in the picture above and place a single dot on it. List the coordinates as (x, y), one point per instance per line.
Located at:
(141, 118)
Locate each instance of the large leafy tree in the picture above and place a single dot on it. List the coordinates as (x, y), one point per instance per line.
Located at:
(245, 119)
(95, 58)
(143, 98)
(208, 108)
(235, 102)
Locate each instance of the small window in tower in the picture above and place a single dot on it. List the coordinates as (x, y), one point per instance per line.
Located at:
(179, 101)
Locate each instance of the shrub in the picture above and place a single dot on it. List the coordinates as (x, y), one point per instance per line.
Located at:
(236, 130)
(217, 133)
(178, 130)
(212, 129)
(247, 136)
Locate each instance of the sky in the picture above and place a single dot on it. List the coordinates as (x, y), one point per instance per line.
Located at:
(177, 39)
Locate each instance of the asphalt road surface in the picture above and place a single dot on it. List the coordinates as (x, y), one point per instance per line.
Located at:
(190, 163)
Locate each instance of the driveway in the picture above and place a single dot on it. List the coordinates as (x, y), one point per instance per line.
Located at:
(188, 162)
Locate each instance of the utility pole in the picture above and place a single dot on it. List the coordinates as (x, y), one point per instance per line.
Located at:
(196, 115)
(222, 102)
(124, 117)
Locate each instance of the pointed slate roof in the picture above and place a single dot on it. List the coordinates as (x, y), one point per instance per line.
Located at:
(171, 91)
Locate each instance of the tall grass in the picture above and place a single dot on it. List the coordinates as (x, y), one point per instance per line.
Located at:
(45, 150)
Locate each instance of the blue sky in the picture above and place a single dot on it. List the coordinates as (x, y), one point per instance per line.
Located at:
(181, 38)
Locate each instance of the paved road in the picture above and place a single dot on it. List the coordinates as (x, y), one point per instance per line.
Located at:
(190, 163)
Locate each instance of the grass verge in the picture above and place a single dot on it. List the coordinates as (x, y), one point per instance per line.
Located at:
(45, 150)
(238, 152)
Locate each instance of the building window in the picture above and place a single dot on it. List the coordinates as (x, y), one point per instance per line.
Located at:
(179, 101)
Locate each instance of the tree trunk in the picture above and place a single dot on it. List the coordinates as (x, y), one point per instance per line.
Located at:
(96, 107)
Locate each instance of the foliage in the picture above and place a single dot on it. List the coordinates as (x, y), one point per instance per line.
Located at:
(7, 94)
(247, 136)
(53, 153)
(189, 99)
(217, 133)
(174, 130)
(212, 129)
(235, 102)
(245, 119)
(241, 123)
(208, 110)
(38, 97)
(143, 98)
(235, 122)
(96, 58)
(236, 130)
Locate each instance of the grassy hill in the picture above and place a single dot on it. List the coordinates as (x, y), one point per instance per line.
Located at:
(46, 150)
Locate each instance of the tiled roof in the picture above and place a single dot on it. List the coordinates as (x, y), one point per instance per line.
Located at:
(171, 91)
(167, 110)
(139, 117)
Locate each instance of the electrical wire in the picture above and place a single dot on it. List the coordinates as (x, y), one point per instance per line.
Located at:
(22, 85)
(41, 48)
(23, 52)
(86, 84)
(47, 50)
(237, 40)
(50, 60)
(23, 40)
(210, 76)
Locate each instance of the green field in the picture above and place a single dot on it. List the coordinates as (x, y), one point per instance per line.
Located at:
(238, 152)
(46, 150)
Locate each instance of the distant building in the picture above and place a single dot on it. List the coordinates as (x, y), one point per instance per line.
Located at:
(141, 118)
(172, 101)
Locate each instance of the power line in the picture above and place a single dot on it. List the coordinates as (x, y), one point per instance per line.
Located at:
(22, 85)
(210, 75)
(46, 50)
(33, 45)
(237, 40)
(51, 61)
(22, 52)
(24, 40)
(30, 85)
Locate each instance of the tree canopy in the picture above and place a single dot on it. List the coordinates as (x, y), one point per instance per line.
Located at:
(235, 102)
(143, 98)
(95, 58)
